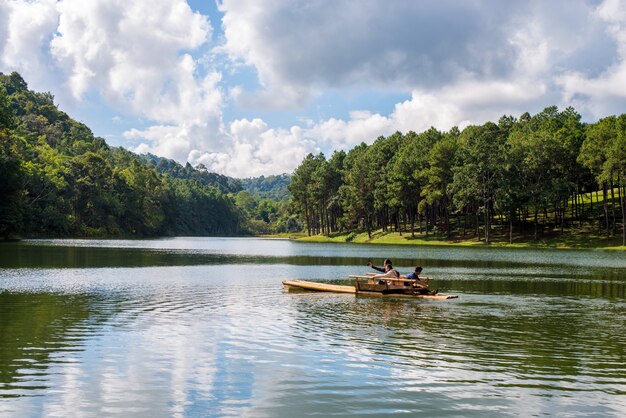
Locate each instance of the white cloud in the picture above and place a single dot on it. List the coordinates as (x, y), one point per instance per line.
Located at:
(298, 49)
(25, 31)
(255, 149)
(462, 62)
(130, 52)
(135, 55)
(604, 93)
(468, 102)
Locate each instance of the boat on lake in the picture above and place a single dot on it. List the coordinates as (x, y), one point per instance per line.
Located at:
(371, 286)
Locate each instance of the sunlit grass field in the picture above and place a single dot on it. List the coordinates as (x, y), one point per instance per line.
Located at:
(588, 234)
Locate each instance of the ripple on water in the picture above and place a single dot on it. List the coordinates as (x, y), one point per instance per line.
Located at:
(209, 340)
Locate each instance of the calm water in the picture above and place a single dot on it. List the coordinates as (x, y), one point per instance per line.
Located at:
(202, 327)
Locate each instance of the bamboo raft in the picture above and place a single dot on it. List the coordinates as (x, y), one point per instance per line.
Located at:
(388, 289)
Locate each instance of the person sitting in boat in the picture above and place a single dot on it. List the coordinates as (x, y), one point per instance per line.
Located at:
(421, 287)
(415, 275)
(388, 270)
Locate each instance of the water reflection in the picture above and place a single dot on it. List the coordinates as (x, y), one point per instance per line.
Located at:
(39, 329)
(532, 345)
(222, 338)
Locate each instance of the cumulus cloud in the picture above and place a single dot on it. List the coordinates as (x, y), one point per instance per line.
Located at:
(131, 53)
(461, 62)
(604, 92)
(398, 44)
(256, 149)
(427, 45)
(135, 55)
(26, 29)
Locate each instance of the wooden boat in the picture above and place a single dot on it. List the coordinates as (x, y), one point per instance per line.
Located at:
(386, 289)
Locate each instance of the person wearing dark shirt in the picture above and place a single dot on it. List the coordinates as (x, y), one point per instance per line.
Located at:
(415, 274)
(421, 286)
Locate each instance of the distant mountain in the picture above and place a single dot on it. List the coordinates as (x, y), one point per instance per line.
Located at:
(270, 187)
(58, 179)
(187, 172)
(265, 187)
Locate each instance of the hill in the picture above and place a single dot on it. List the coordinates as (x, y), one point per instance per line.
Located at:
(270, 187)
(61, 180)
(187, 172)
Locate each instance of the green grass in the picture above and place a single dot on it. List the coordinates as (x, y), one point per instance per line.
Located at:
(577, 239)
(590, 235)
(284, 235)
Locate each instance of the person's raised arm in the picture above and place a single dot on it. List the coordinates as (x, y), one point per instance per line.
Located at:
(381, 269)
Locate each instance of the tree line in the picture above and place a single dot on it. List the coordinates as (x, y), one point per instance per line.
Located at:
(526, 176)
(523, 176)
(60, 180)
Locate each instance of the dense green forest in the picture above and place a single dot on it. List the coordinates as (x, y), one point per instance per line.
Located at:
(199, 174)
(271, 187)
(523, 177)
(60, 180)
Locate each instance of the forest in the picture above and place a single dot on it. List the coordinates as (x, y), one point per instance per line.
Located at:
(60, 180)
(520, 179)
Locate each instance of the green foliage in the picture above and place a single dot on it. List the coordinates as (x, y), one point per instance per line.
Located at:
(198, 174)
(264, 216)
(270, 187)
(528, 170)
(60, 180)
(6, 114)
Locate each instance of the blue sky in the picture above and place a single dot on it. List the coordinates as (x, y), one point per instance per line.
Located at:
(250, 87)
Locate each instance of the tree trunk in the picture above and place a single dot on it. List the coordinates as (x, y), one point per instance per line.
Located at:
(563, 215)
(448, 228)
(419, 222)
(536, 215)
(477, 230)
(306, 217)
(328, 222)
(464, 222)
(622, 204)
(487, 223)
(404, 220)
(556, 214)
(398, 221)
(613, 206)
(622, 200)
(606, 209)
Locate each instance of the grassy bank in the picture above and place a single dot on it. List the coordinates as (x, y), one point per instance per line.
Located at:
(582, 239)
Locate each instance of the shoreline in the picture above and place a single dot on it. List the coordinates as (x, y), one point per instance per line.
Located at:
(394, 238)
(573, 242)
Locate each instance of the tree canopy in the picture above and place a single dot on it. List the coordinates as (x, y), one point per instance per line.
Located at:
(530, 171)
(61, 180)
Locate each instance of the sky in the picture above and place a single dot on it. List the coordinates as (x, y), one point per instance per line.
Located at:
(250, 87)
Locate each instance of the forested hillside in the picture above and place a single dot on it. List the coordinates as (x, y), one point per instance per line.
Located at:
(270, 187)
(199, 173)
(60, 180)
(525, 177)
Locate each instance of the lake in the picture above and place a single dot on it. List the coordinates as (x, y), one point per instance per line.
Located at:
(203, 327)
